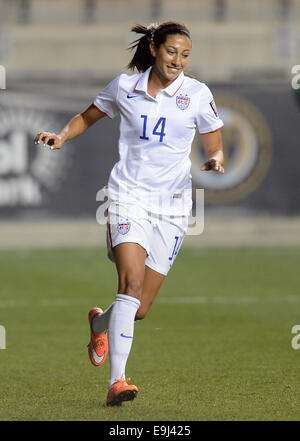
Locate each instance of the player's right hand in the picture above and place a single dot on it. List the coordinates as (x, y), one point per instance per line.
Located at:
(49, 139)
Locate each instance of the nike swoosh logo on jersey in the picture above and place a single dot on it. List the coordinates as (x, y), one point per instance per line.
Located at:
(96, 357)
(126, 336)
(131, 96)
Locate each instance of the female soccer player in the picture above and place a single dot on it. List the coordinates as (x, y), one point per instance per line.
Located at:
(150, 187)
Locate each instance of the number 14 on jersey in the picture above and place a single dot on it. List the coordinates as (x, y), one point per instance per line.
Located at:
(157, 130)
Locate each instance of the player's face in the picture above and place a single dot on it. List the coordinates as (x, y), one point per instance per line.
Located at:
(171, 57)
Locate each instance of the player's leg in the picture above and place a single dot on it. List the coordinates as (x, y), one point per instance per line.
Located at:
(119, 318)
(132, 232)
(130, 264)
(139, 282)
(129, 282)
(151, 285)
(127, 242)
(166, 240)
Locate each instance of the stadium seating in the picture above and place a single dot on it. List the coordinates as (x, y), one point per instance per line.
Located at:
(88, 38)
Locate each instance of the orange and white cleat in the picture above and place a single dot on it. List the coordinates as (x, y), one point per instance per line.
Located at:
(98, 346)
(121, 391)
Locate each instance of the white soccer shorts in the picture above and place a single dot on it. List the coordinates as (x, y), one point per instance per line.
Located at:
(161, 236)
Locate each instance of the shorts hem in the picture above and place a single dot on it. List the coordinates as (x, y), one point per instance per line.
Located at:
(157, 268)
(111, 246)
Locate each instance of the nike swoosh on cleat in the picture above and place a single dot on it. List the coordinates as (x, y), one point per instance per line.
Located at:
(96, 357)
(126, 336)
(131, 96)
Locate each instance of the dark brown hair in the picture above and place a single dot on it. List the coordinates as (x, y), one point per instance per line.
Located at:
(142, 58)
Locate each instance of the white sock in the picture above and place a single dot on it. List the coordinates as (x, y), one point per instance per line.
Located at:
(120, 334)
(100, 321)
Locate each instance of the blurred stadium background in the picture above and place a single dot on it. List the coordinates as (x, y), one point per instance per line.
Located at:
(58, 54)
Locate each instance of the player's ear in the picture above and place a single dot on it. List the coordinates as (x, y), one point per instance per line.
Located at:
(152, 49)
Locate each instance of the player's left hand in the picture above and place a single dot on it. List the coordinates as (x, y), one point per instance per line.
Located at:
(213, 164)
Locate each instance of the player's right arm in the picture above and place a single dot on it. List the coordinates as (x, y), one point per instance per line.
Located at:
(75, 127)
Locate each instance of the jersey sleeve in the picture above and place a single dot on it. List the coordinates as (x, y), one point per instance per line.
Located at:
(106, 101)
(207, 118)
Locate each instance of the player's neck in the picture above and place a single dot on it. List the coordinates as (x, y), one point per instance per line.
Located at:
(157, 82)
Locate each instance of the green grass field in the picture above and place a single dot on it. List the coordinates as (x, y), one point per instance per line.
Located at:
(215, 346)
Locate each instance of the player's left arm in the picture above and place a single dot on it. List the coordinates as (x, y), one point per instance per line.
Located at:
(213, 147)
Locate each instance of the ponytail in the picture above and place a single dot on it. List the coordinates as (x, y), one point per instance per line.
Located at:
(142, 58)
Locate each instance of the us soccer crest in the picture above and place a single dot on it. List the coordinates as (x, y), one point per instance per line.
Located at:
(124, 227)
(183, 101)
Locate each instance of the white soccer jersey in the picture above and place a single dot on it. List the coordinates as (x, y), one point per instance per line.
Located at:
(155, 139)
